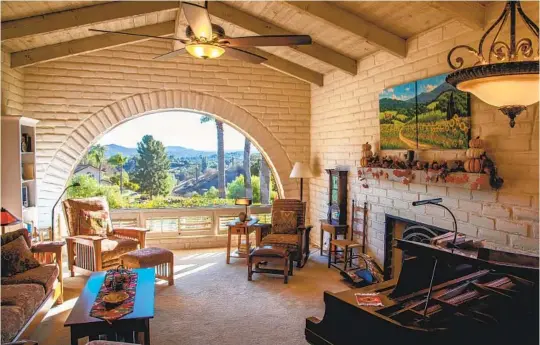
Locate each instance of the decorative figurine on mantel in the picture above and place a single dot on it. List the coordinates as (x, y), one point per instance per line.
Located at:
(436, 171)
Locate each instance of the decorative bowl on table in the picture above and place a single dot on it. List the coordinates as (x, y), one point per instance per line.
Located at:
(115, 298)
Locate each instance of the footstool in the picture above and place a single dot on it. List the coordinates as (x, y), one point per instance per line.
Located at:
(161, 259)
(270, 254)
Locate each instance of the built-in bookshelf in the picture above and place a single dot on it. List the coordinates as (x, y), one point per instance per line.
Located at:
(19, 185)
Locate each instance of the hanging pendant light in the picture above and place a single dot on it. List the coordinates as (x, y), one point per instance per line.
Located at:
(508, 77)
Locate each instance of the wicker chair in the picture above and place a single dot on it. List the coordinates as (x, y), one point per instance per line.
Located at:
(97, 253)
(296, 239)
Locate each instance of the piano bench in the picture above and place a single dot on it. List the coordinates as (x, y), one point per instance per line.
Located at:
(270, 254)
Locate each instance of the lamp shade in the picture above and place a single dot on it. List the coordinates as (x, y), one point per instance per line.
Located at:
(243, 201)
(205, 51)
(301, 170)
(504, 90)
(7, 218)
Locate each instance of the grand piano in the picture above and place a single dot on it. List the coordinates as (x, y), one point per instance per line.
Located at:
(476, 297)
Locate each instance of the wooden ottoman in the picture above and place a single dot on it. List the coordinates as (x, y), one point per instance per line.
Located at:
(270, 254)
(161, 259)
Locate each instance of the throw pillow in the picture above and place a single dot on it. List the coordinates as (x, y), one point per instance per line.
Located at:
(94, 223)
(17, 258)
(285, 222)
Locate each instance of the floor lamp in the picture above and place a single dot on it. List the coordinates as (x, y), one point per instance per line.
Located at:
(301, 171)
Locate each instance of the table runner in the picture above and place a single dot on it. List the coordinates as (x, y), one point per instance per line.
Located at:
(101, 312)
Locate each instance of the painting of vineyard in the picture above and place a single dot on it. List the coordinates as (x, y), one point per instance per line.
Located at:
(425, 114)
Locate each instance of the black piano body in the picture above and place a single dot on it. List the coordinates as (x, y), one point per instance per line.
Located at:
(480, 297)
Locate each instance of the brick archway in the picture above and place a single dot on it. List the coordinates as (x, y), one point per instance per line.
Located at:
(58, 170)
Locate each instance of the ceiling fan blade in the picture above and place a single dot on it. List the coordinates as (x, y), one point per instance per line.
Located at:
(171, 55)
(141, 35)
(243, 55)
(267, 41)
(198, 20)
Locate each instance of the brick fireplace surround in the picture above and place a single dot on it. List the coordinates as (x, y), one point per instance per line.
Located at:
(324, 125)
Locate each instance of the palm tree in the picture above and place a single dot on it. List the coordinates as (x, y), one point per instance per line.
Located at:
(247, 170)
(119, 160)
(220, 153)
(264, 175)
(96, 157)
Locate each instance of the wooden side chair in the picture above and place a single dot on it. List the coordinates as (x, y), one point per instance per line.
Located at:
(288, 229)
(345, 247)
(92, 252)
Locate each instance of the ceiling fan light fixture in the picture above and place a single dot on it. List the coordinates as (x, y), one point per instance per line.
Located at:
(204, 50)
(507, 77)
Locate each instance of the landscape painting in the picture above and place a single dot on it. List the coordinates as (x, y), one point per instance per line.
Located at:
(436, 116)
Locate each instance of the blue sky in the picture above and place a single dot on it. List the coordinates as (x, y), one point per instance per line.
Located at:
(401, 92)
(174, 128)
(426, 85)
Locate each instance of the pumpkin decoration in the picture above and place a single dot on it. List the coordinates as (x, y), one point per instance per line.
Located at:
(364, 161)
(474, 152)
(366, 154)
(476, 143)
(473, 165)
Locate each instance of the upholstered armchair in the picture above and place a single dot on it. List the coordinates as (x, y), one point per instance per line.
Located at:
(288, 229)
(97, 252)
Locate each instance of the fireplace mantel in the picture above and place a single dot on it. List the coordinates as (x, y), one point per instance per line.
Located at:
(470, 181)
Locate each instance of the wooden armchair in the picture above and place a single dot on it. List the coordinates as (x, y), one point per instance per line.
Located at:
(295, 238)
(90, 253)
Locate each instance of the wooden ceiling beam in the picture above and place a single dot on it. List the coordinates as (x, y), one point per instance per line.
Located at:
(88, 44)
(470, 13)
(344, 19)
(288, 67)
(69, 19)
(262, 27)
(104, 41)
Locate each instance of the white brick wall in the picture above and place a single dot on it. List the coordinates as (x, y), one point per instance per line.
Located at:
(345, 115)
(12, 88)
(78, 98)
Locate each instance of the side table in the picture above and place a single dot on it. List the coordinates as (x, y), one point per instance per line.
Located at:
(51, 251)
(242, 228)
(334, 230)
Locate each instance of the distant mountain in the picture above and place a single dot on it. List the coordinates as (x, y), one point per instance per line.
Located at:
(176, 151)
(113, 149)
(393, 104)
(428, 97)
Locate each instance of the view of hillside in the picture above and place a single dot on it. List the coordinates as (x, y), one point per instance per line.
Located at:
(154, 175)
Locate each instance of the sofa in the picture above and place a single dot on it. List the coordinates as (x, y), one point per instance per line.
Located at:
(27, 296)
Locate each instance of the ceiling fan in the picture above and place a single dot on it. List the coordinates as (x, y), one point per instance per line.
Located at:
(208, 41)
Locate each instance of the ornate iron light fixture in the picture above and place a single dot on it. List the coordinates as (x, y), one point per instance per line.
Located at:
(508, 76)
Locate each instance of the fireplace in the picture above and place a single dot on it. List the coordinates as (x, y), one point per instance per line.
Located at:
(401, 228)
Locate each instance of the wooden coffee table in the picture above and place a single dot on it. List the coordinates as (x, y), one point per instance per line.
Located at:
(135, 323)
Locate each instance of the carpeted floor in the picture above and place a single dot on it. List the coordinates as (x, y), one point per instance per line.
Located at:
(213, 303)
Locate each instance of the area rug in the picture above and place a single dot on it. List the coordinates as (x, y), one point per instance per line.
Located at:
(213, 303)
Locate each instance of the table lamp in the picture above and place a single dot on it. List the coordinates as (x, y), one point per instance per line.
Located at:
(243, 202)
(437, 202)
(301, 171)
(7, 218)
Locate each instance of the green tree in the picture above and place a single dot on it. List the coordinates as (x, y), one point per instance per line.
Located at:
(247, 169)
(220, 153)
(264, 175)
(89, 187)
(212, 193)
(128, 184)
(118, 160)
(204, 164)
(96, 157)
(152, 167)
